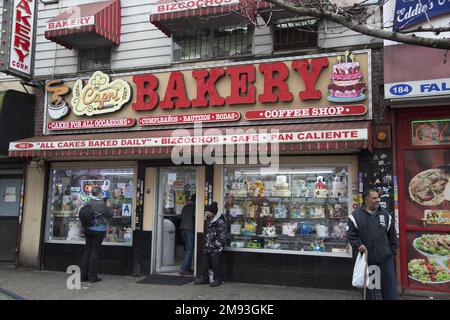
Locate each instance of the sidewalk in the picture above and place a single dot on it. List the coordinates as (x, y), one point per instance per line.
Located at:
(48, 285)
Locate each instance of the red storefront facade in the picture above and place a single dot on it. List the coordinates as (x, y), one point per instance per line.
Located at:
(418, 99)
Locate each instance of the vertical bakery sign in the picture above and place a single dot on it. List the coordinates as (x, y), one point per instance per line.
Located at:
(18, 41)
(427, 212)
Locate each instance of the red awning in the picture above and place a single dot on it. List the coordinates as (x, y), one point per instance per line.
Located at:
(231, 12)
(87, 25)
(126, 144)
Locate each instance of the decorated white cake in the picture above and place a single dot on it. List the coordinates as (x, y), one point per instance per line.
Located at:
(289, 229)
(338, 188)
(282, 187)
(235, 228)
(318, 212)
(265, 210)
(268, 231)
(301, 189)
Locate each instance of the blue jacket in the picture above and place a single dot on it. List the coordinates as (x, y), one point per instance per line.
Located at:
(102, 215)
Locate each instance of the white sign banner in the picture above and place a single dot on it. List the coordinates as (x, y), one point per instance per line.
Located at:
(422, 88)
(159, 8)
(186, 140)
(22, 37)
(70, 23)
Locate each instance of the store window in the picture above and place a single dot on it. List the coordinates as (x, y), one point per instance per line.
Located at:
(207, 43)
(94, 59)
(294, 35)
(70, 189)
(298, 210)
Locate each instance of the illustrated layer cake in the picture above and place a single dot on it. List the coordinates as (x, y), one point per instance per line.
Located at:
(346, 80)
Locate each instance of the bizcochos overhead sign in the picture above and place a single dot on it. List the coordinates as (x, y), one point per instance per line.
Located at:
(18, 38)
(267, 90)
(165, 6)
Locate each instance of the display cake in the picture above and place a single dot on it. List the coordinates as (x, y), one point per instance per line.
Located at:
(338, 188)
(282, 187)
(268, 231)
(320, 188)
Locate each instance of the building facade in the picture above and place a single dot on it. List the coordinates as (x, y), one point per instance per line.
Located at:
(269, 115)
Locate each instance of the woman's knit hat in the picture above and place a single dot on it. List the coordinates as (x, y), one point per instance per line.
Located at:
(212, 208)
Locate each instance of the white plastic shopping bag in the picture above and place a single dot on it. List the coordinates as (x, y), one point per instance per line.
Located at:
(361, 271)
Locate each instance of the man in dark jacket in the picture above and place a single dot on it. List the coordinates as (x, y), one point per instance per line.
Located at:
(94, 236)
(216, 229)
(187, 227)
(371, 229)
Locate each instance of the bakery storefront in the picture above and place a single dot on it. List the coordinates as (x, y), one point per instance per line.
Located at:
(275, 142)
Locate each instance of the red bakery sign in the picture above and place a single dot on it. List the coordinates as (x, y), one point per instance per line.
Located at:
(322, 86)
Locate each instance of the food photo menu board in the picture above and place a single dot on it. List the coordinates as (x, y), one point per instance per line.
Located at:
(428, 260)
(427, 182)
(427, 208)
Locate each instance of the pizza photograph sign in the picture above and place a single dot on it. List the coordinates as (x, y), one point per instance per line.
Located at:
(427, 181)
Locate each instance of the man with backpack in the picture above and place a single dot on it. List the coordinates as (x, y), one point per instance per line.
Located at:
(94, 231)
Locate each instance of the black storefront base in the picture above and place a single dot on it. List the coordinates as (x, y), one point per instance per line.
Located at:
(285, 269)
(289, 270)
(115, 260)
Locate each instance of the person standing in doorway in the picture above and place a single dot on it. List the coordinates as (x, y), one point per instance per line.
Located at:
(187, 227)
(94, 236)
(216, 229)
(371, 229)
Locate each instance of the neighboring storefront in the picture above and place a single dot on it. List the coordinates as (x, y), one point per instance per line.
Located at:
(286, 224)
(423, 174)
(418, 95)
(15, 108)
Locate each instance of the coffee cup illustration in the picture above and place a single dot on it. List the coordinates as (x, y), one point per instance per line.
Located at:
(58, 112)
(57, 107)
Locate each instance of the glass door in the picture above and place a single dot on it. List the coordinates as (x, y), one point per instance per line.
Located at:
(176, 185)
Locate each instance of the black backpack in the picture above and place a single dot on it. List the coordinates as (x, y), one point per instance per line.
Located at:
(87, 216)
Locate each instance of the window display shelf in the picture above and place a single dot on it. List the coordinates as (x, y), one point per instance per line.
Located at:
(125, 244)
(288, 199)
(64, 217)
(292, 210)
(306, 238)
(305, 253)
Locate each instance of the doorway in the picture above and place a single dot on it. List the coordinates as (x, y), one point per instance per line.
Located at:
(10, 194)
(175, 187)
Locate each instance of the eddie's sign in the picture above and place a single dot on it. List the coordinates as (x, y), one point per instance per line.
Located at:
(18, 38)
(411, 12)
